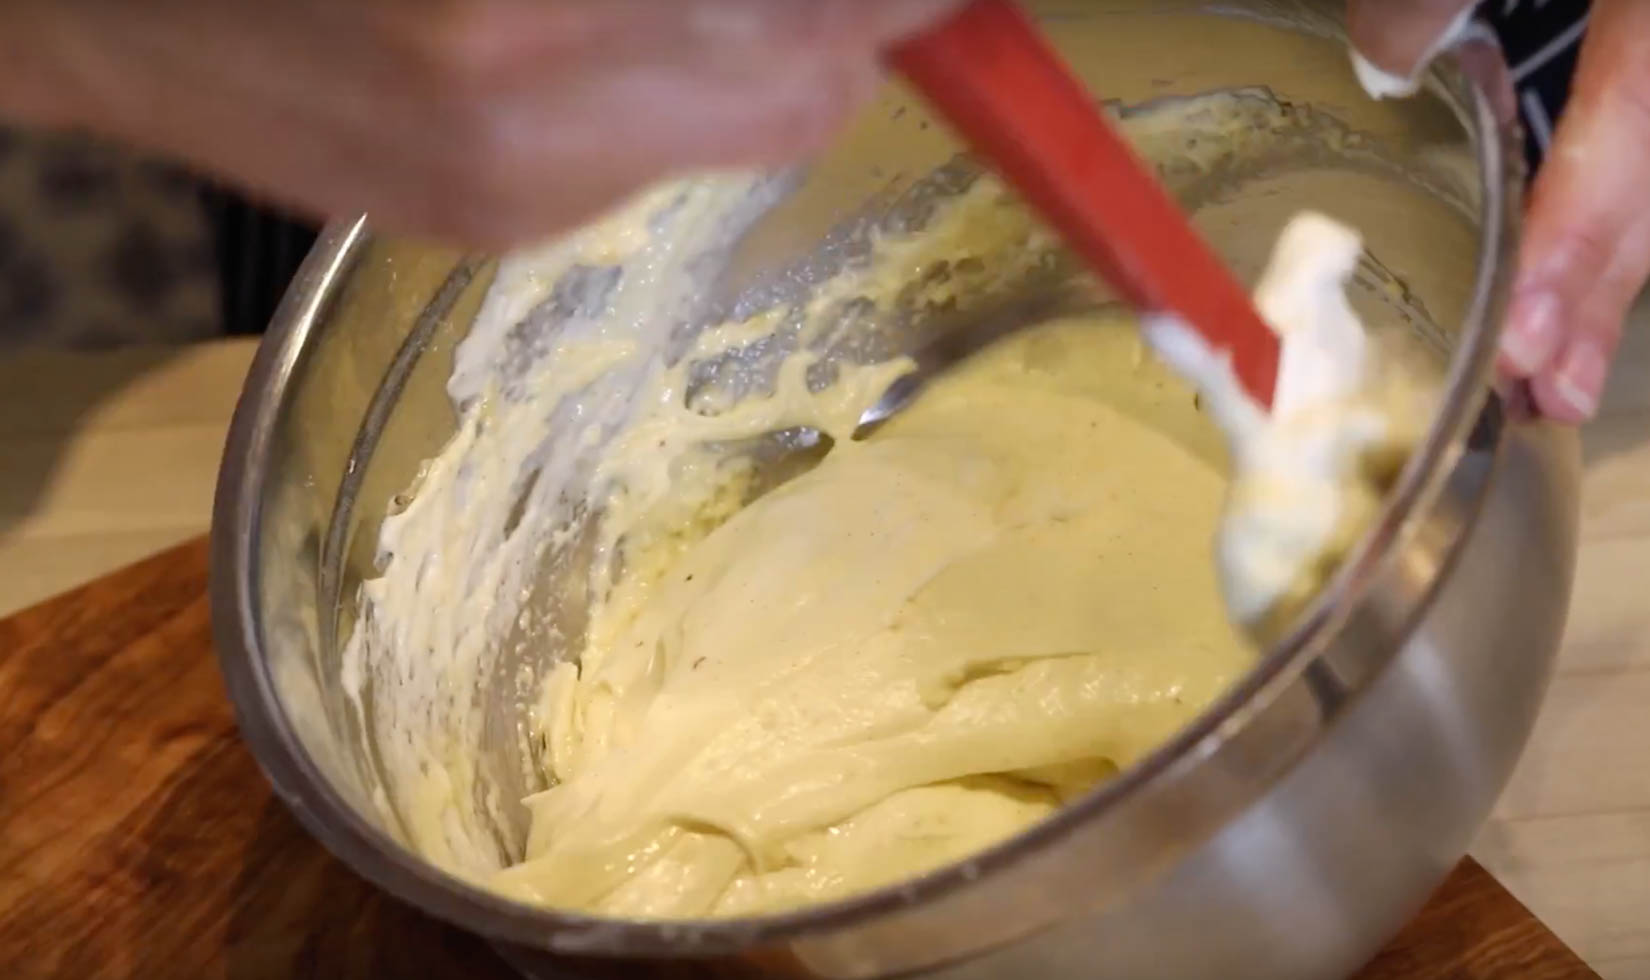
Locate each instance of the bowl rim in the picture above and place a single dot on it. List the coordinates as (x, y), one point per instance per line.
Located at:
(1482, 89)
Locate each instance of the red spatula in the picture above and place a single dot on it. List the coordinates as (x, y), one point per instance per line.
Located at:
(990, 72)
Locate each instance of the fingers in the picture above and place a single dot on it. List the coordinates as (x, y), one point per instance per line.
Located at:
(494, 40)
(481, 122)
(1586, 251)
(541, 164)
(602, 96)
(1395, 39)
(796, 24)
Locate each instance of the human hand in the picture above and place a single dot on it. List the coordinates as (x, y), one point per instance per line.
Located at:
(488, 122)
(1586, 252)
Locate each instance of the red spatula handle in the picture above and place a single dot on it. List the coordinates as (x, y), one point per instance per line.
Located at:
(992, 75)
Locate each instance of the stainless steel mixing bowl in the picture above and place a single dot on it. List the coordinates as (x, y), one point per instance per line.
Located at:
(1290, 830)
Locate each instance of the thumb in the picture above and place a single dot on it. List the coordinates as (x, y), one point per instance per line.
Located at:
(1586, 248)
(1394, 40)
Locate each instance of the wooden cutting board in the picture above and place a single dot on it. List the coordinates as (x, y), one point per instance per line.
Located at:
(139, 839)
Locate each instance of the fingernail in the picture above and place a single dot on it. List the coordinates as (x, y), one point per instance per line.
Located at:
(1580, 379)
(1534, 331)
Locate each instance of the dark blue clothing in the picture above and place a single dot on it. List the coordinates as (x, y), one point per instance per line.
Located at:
(1542, 39)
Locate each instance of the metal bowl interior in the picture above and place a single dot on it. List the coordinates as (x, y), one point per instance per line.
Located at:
(348, 398)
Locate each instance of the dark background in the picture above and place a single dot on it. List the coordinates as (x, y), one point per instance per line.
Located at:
(259, 252)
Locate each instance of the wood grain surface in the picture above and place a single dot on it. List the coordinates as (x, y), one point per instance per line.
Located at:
(139, 839)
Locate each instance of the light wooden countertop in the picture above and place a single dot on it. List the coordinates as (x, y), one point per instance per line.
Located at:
(105, 458)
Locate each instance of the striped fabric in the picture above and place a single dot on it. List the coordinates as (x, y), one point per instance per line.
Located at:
(1542, 39)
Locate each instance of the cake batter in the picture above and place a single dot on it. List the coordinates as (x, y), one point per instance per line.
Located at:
(719, 698)
(903, 656)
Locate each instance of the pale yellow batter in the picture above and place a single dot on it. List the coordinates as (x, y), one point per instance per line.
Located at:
(912, 651)
(903, 656)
